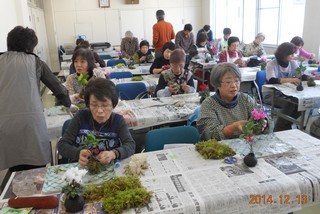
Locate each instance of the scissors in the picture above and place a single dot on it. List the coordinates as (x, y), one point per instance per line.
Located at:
(157, 99)
(230, 160)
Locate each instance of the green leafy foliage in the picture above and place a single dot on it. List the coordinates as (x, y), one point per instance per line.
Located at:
(301, 69)
(73, 190)
(83, 79)
(212, 149)
(122, 193)
(91, 143)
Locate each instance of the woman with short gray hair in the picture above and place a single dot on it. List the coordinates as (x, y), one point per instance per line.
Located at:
(223, 114)
(129, 45)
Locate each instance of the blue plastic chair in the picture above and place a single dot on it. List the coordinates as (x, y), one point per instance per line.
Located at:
(111, 63)
(131, 90)
(261, 77)
(120, 75)
(105, 56)
(62, 160)
(157, 138)
(192, 119)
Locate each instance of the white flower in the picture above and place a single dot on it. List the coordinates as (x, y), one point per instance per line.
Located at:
(74, 174)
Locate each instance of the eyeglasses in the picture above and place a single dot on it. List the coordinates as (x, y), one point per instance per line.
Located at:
(231, 82)
(103, 107)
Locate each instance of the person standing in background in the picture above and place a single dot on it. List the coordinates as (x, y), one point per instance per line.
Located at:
(162, 33)
(24, 138)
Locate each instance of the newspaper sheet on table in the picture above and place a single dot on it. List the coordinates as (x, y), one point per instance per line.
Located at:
(264, 145)
(151, 112)
(212, 186)
(309, 98)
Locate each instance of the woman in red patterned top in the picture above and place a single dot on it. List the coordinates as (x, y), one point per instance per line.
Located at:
(232, 54)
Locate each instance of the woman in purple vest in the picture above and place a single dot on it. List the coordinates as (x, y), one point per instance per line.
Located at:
(99, 120)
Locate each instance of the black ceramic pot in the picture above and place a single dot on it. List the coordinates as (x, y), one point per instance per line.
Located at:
(300, 87)
(75, 204)
(250, 160)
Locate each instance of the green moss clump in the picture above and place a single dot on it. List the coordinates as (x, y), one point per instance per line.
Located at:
(122, 193)
(212, 149)
(137, 78)
(94, 166)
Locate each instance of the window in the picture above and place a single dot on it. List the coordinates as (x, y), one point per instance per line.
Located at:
(274, 18)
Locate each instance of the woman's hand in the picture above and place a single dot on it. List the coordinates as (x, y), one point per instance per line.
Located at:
(265, 124)
(185, 88)
(143, 58)
(84, 157)
(238, 61)
(173, 88)
(290, 80)
(237, 126)
(106, 157)
(77, 98)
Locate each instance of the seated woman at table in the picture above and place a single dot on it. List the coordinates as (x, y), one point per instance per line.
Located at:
(83, 61)
(159, 64)
(255, 48)
(97, 59)
(223, 114)
(143, 55)
(101, 97)
(283, 70)
(232, 54)
(201, 50)
(129, 45)
(300, 54)
(177, 79)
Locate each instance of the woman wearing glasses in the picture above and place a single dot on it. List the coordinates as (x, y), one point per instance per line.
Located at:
(223, 114)
(110, 128)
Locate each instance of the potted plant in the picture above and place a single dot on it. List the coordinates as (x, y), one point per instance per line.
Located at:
(254, 126)
(203, 92)
(311, 82)
(95, 147)
(300, 71)
(83, 81)
(73, 190)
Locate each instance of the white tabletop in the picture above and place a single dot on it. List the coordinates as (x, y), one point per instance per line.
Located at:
(183, 182)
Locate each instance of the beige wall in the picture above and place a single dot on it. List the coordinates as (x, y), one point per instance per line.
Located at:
(311, 28)
(67, 18)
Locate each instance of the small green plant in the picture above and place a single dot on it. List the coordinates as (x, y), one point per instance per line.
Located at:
(95, 147)
(212, 149)
(122, 193)
(254, 126)
(83, 79)
(301, 69)
(73, 177)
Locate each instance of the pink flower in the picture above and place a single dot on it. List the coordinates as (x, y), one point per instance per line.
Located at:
(258, 115)
(263, 59)
(166, 67)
